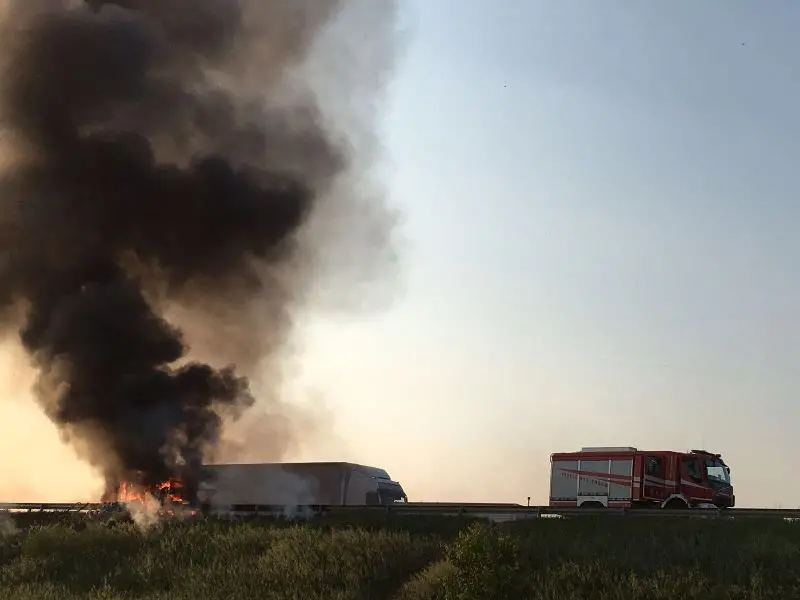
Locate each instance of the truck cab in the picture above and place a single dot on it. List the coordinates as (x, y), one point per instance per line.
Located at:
(711, 472)
(376, 486)
(697, 479)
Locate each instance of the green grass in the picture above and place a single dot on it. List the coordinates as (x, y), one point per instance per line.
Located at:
(406, 559)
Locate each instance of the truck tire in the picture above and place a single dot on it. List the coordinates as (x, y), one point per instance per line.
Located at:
(676, 504)
(591, 504)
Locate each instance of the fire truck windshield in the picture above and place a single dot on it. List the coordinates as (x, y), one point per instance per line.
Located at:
(717, 470)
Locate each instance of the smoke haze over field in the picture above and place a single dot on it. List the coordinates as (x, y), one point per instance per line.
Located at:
(176, 178)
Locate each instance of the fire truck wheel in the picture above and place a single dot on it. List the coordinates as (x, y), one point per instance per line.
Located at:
(675, 504)
(594, 505)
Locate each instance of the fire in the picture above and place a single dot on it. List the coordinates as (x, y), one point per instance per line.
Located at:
(148, 504)
(166, 492)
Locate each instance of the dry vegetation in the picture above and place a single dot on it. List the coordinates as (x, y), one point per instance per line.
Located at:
(405, 559)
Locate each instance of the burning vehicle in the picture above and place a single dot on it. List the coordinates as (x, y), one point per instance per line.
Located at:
(169, 492)
(228, 486)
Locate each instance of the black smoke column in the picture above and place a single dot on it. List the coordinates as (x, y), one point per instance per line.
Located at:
(140, 174)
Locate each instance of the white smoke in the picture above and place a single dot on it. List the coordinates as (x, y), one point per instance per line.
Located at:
(289, 494)
(7, 525)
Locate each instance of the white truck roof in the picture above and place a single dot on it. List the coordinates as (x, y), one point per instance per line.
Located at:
(375, 472)
(608, 449)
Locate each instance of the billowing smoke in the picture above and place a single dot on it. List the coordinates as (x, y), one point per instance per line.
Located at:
(162, 154)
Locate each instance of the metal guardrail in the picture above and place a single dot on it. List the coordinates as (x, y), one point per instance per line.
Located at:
(497, 512)
(513, 512)
(53, 506)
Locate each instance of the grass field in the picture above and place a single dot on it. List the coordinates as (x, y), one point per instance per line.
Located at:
(406, 559)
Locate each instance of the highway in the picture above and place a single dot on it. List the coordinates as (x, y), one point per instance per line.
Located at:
(492, 512)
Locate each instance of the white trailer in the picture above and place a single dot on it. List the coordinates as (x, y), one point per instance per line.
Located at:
(297, 484)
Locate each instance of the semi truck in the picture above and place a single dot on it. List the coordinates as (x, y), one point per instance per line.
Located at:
(287, 485)
(626, 477)
(297, 484)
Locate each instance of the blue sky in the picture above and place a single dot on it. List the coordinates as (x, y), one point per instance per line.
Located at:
(599, 220)
(600, 205)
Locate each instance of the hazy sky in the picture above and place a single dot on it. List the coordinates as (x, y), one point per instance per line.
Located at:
(600, 219)
(601, 208)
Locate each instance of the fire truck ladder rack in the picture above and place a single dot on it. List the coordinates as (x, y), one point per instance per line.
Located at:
(494, 512)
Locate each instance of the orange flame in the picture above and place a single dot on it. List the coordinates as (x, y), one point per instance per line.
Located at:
(166, 492)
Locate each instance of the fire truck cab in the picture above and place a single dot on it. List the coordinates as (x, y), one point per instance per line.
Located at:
(627, 477)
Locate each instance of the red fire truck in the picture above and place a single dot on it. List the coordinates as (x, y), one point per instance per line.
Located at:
(627, 477)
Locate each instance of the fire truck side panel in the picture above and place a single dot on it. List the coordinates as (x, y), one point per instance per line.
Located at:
(564, 482)
(673, 473)
(592, 478)
(622, 480)
(637, 487)
(596, 479)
